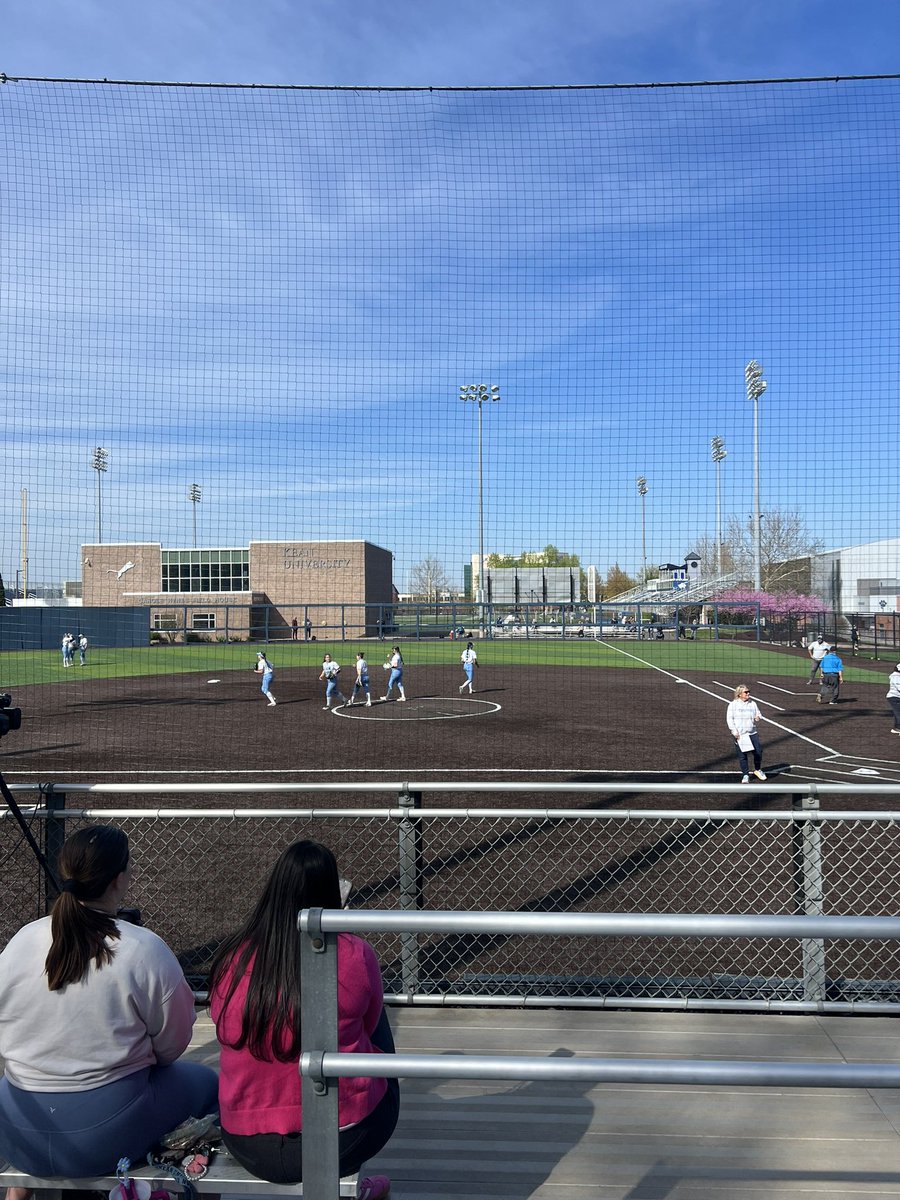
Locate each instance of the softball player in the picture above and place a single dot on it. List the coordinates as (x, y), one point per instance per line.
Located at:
(265, 668)
(469, 660)
(330, 672)
(395, 662)
(361, 683)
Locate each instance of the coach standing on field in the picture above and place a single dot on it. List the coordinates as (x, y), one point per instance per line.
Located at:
(742, 717)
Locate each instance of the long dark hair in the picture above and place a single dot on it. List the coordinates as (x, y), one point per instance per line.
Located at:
(89, 862)
(305, 876)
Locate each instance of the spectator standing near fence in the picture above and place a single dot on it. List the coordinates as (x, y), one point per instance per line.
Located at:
(832, 678)
(94, 1013)
(329, 675)
(469, 660)
(893, 697)
(255, 1004)
(361, 682)
(295, 626)
(817, 649)
(742, 717)
(265, 668)
(395, 679)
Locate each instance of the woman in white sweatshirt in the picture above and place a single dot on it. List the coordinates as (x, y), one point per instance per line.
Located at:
(742, 717)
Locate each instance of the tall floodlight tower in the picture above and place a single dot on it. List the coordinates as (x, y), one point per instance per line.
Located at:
(719, 453)
(642, 492)
(480, 394)
(756, 385)
(195, 495)
(99, 462)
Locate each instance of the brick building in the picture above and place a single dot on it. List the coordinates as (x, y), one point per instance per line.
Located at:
(255, 591)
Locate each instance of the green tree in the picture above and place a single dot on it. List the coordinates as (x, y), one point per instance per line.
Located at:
(617, 581)
(550, 556)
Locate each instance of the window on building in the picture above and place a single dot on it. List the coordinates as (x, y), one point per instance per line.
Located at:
(206, 570)
(203, 620)
(165, 620)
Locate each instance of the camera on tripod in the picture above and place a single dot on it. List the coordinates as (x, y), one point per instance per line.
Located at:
(10, 718)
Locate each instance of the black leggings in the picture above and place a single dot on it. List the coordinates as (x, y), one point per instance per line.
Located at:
(278, 1157)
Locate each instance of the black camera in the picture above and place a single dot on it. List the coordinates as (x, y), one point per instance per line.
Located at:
(10, 718)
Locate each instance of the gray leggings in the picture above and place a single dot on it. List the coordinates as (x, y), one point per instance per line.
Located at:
(70, 1135)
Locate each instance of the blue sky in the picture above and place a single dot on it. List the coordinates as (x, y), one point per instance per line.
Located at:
(276, 294)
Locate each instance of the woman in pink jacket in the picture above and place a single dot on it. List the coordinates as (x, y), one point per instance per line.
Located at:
(255, 1003)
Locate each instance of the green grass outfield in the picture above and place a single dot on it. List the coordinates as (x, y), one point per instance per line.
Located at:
(19, 668)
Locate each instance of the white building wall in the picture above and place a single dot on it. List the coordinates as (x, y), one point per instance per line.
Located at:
(863, 578)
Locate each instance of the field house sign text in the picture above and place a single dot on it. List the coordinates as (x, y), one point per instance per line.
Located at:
(298, 559)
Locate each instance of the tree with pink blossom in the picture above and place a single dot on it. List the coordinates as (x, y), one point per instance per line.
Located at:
(745, 601)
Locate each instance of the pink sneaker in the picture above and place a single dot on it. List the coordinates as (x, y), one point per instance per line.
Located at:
(373, 1187)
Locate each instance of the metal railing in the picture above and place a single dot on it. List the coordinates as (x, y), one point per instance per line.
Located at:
(795, 859)
(322, 1063)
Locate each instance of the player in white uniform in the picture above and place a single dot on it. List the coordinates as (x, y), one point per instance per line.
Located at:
(469, 660)
(265, 668)
(395, 665)
(330, 672)
(361, 682)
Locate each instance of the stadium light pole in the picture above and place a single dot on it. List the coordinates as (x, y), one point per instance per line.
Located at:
(717, 447)
(99, 464)
(642, 492)
(195, 495)
(480, 393)
(756, 385)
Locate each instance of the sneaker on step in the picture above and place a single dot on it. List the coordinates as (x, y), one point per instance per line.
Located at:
(760, 774)
(373, 1187)
(745, 779)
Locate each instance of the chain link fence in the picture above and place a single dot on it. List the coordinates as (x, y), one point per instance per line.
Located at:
(198, 872)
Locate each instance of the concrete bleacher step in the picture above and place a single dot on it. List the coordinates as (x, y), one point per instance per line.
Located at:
(225, 1177)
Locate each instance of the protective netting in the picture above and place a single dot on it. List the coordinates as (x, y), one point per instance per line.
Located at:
(234, 326)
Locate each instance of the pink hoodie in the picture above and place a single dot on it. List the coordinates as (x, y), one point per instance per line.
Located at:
(257, 1096)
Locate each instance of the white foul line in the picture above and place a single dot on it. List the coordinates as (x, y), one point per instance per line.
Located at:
(775, 688)
(706, 692)
(768, 703)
